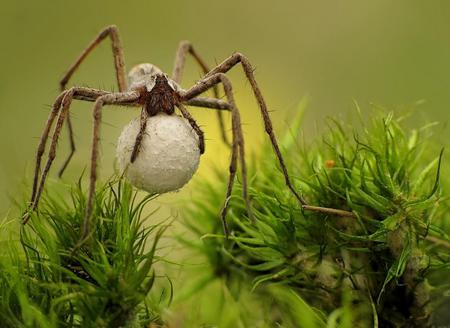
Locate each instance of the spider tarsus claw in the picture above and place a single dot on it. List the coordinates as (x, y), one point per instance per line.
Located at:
(251, 217)
(25, 218)
(27, 214)
(83, 239)
(223, 217)
(135, 152)
(133, 156)
(226, 230)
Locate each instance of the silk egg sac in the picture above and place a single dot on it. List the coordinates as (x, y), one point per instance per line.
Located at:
(168, 157)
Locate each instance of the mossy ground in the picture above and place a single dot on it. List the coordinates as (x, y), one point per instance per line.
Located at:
(388, 267)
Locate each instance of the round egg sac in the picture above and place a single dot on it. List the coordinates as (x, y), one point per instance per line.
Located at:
(168, 157)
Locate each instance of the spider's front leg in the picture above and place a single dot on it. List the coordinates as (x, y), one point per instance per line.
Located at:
(238, 150)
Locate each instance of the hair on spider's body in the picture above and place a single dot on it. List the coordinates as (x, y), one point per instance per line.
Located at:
(161, 98)
(158, 93)
(155, 92)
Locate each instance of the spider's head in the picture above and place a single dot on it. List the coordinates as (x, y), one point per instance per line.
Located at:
(146, 75)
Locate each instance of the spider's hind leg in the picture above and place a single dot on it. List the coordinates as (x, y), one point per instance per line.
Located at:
(237, 149)
(224, 67)
(186, 48)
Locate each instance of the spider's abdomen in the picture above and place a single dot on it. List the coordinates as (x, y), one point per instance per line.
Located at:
(161, 98)
(143, 75)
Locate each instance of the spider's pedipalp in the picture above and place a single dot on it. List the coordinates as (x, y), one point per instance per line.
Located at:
(195, 127)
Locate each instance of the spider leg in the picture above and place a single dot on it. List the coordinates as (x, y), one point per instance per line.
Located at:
(185, 48)
(224, 67)
(117, 49)
(61, 104)
(108, 99)
(119, 64)
(186, 114)
(43, 141)
(71, 144)
(193, 123)
(140, 135)
(65, 104)
(206, 102)
(238, 151)
(87, 94)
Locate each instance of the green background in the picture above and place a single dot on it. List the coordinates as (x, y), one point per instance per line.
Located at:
(393, 54)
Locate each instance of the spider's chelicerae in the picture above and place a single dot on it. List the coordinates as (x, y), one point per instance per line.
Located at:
(156, 92)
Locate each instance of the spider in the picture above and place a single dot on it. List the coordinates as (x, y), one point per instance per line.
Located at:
(155, 92)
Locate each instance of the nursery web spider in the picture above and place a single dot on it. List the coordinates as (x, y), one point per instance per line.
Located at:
(155, 92)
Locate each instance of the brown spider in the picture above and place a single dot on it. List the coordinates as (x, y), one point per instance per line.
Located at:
(155, 92)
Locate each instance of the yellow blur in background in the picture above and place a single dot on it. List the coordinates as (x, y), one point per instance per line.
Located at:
(389, 53)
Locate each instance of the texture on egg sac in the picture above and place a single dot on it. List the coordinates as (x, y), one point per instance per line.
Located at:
(169, 154)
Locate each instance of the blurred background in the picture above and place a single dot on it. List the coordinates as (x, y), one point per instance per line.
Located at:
(393, 54)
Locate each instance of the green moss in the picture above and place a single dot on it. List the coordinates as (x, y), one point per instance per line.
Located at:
(106, 283)
(383, 259)
(388, 266)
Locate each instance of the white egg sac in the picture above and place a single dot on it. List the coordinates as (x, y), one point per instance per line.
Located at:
(169, 154)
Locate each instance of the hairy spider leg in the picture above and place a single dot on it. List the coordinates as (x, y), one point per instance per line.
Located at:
(137, 144)
(194, 125)
(224, 67)
(43, 141)
(238, 151)
(64, 100)
(131, 97)
(185, 48)
(119, 65)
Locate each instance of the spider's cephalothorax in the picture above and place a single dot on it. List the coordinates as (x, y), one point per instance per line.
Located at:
(158, 91)
(161, 98)
(155, 92)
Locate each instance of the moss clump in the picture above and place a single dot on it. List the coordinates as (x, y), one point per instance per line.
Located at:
(384, 261)
(45, 282)
(389, 266)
